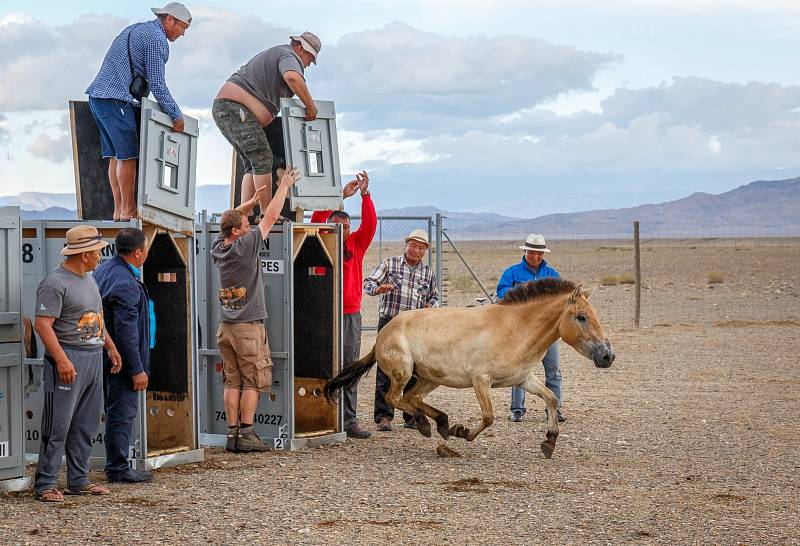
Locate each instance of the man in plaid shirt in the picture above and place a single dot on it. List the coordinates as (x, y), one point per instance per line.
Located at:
(404, 283)
(112, 104)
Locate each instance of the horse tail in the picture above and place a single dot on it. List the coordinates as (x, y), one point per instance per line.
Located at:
(349, 375)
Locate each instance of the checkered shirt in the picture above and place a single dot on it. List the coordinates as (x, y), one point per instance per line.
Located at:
(150, 53)
(417, 286)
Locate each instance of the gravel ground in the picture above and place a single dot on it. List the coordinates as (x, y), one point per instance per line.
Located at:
(690, 437)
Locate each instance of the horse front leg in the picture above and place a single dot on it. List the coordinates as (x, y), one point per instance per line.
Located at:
(483, 389)
(534, 386)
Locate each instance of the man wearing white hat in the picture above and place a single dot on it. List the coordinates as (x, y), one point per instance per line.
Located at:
(404, 283)
(69, 321)
(533, 267)
(250, 99)
(133, 67)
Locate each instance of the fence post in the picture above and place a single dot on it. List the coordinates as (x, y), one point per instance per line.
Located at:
(439, 250)
(638, 272)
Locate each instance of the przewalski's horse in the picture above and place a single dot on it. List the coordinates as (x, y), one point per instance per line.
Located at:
(482, 347)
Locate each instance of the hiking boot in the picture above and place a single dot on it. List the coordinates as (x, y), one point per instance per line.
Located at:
(355, 430)
(131, 476)
(249, 441)
(384, 425)
(230, 442)
(516, 416)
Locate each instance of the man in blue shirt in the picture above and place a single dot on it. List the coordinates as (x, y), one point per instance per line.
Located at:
(141, 48)
(128, 314)
(533, 267)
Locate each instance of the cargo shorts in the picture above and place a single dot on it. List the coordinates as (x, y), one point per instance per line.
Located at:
(241, 128)
(246, 364)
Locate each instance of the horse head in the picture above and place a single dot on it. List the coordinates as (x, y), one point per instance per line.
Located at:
(580, 327)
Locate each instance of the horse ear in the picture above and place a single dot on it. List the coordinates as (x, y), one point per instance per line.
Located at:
(588, 292)
(576, 293)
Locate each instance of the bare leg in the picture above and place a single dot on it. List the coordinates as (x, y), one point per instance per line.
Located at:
(415, 394)
(483, 389)
(231, 398)
(247, 188)
(126, 177)
(247, 406)
(115, 191)
(534, 386)
(261, 180)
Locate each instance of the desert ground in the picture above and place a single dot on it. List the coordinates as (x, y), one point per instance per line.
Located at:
(691, 437)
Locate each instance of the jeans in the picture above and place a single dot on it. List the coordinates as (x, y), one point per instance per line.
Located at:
(552, 374)
(122, 403)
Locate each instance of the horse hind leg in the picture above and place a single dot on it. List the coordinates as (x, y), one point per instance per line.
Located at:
(483, 390)
(398, 378)
(534, 386)
(414, 396)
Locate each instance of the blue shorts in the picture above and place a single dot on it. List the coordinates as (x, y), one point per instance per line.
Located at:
(116, 119)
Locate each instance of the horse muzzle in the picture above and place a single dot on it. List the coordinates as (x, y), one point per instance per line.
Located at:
(603, 354)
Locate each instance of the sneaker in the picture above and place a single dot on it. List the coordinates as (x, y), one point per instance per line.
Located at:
(131, 476)
(384, 425)
(249, 441)
(357, 431)
(230, 442)
(516, 416)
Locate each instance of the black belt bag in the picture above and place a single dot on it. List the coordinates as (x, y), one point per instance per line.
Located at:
(139, 87)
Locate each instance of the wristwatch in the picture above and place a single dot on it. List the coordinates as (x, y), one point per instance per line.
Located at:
(365, 192)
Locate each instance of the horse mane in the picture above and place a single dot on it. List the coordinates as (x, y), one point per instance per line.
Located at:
(525, 292)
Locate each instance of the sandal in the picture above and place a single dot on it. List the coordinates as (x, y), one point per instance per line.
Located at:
(88, 489)
(50, 495)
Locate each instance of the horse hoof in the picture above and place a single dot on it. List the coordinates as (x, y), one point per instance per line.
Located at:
(548, 448)
(443, 426)
(443, 451)
(459, 431)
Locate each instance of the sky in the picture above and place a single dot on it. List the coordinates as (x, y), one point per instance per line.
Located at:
(515, 107)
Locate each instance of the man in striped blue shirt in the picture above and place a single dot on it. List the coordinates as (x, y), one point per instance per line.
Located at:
(112, 104)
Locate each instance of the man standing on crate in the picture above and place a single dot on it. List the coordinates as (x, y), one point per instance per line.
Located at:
(130, 319)
(69, 321)
(250, 99)
(404, 283)
(355, 246)
(533, 267)
(241, 337)
(134, 66)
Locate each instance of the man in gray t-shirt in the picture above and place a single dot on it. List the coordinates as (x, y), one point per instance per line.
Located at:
(69, 321)
(242, 337)
(249, 101)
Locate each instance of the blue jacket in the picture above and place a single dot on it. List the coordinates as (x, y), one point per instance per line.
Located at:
(520, 273)
(126, 313)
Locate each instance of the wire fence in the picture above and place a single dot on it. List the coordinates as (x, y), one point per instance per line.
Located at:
(687, 275)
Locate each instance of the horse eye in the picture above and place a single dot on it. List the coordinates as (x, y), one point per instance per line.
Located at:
(580, 318)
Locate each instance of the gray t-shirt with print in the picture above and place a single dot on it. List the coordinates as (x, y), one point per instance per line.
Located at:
(74, 301)
(262, 76)
(241, 293)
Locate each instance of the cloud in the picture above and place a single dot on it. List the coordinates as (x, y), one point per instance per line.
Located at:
(406, 77)
(52, 149)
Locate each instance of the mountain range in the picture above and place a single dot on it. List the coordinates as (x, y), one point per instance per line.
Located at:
(761, 208)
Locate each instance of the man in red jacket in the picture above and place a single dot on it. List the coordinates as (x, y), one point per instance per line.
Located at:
(355, 246)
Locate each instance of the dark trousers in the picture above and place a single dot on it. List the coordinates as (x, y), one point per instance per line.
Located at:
(351, 333)
(382, 382)
(122, 402)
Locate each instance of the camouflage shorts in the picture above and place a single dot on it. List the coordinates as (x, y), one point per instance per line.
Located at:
(241, 128)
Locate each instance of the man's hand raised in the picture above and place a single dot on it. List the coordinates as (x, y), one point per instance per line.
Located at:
(290, 176)
(350, 188)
